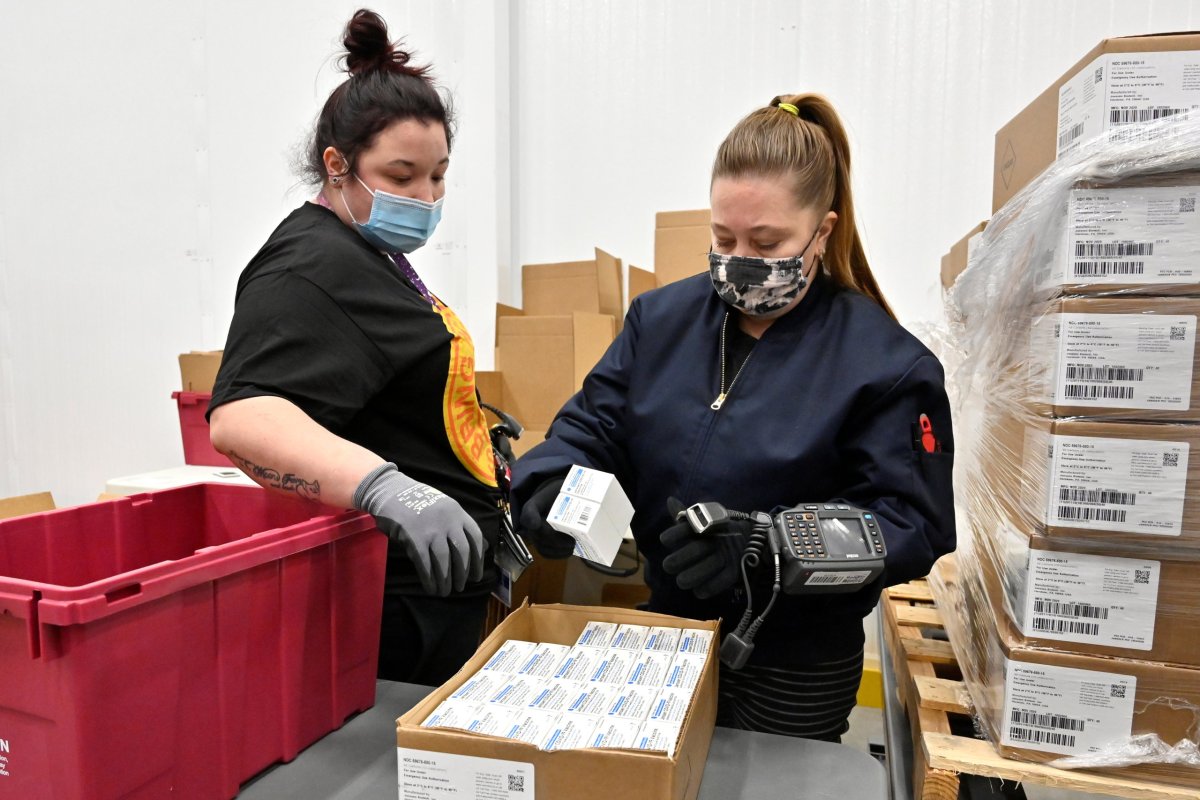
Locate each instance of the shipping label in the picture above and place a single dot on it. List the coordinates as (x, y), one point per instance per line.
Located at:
(1100, 600)
(1065, 710)
(1124, 485)
(1122, 360)
(1132, 235)
(1118, 90)
(426, 775)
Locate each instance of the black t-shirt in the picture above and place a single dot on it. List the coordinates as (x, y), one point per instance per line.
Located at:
(328, 322)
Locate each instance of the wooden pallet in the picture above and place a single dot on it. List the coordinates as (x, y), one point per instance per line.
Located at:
(930, 688)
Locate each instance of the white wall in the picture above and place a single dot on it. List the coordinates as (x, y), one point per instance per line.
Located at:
(146, 157)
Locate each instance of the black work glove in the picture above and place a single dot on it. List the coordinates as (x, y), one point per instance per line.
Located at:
(533, 526)
(706, 564)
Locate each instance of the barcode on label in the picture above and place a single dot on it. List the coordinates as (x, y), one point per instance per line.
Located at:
(1094, 268)
(1059, 609)
(1083, 391)
(1052, 721)
(1187, 205)
(584, 515)
(516, 783)
(1113, 249)
(1105, 496)
(823, 577)
(1141, 576)
(1178, 333)
(1170, 459)
(1118, 690)
(1068, 136)
(1048, 625)
(1041, 737)
(1083, 514)
(1127, 116)
(1102, 372)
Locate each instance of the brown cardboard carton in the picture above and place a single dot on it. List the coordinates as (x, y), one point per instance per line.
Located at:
(1124, 359)
(578, 774)
(198, 370)
(24, 504)
(681, 241)
(991, 654)
(1117, 488)
(591, 286)
(1030, 142)
(640, 282)
(955, 261)
(545, 359)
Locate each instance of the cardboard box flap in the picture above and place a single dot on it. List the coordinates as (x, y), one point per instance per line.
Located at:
(24, 504)
(560, 288)
(640, 282)
(593, 334)
(682, 219)
(608, 282)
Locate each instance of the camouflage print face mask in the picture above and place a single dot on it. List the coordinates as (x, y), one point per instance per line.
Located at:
(758, 286)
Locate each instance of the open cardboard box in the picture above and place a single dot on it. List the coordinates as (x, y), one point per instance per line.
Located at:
(578, 774)
(198, 370)
(681, 243)
(590, 286)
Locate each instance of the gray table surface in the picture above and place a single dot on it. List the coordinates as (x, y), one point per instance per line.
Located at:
(359, 761)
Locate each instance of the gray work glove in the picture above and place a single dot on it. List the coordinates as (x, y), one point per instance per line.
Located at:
(444, 543)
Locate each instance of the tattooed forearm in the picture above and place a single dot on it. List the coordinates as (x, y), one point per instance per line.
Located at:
(266, 476)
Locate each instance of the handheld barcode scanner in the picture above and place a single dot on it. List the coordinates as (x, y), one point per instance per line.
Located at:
(817, 548)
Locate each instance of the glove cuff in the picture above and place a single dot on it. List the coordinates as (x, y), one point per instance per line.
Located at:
(362, 493)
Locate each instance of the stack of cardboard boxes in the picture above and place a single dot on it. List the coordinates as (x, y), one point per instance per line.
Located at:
(1076, 583)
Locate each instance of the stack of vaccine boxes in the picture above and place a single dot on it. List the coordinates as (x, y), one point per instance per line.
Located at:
(1081, 498)
(619, 686)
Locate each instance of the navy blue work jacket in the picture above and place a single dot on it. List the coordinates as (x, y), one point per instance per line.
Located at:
(825, 409)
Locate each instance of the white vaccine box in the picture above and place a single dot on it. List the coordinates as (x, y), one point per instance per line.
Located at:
(515, 691)
(578, 664)
(592, 508)
(478, 688)
(531, 726)
(452, 714)
(543, 661)
(671, 705)
(491, 719)
(597, 634)
(569, 732)
(665, 640)
(661, 736)
(510, 657)
(631, 702)
(615, 733)
(650, 669)
(613, 667)
(685, 672)
(555, 696)
(592, 698)
(695, 641)
(631, 637)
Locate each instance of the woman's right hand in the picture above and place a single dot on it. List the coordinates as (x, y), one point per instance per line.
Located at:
(444, 543)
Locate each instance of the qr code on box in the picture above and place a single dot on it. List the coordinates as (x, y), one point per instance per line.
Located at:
(1141, 576)
(1170, 459)
(1187, 205)
(1118, 690)
(1178, 333)
(516, 783)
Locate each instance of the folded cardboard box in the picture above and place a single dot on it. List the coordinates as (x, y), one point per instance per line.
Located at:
(640, 282)
(545, 359)
(198, 370)
(682, 240)
(587, 774)
(1121, 81)
(1041, 704)
(589, 286)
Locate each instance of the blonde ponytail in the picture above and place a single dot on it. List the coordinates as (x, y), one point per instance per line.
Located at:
(801, 136)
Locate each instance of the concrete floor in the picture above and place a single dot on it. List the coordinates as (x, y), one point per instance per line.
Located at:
(866, 728)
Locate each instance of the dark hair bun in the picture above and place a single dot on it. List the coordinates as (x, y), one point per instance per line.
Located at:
(368, 47)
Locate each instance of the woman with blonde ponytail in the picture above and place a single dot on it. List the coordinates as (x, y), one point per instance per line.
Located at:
(779, 377)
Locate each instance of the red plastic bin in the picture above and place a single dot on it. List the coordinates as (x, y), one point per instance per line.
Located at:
(176, 643)
(197, 448)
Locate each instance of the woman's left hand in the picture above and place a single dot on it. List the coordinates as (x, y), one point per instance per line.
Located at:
(709, 564)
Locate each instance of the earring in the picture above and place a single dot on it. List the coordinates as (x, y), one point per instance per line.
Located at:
(335, 181)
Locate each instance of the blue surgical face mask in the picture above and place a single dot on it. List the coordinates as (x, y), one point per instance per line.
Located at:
(397, 224)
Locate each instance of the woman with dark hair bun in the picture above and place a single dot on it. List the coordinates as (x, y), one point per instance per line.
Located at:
(346, 380)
